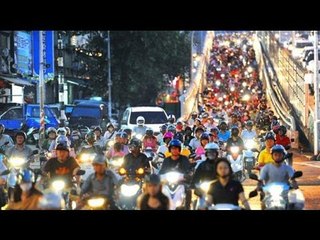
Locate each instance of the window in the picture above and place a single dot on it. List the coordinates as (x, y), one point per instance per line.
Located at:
(93, 112)
(150, 117)
(35, 113)
(13, 114)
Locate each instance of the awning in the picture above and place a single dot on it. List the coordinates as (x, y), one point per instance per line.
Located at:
(17, 81)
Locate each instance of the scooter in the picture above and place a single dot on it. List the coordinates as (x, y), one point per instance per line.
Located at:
(85, 159)
(280, 196)
(249, 156)
(237, 164)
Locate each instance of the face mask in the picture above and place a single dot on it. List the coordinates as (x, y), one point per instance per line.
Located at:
(25, 186)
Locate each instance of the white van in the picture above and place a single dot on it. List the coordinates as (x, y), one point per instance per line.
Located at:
(154, 117)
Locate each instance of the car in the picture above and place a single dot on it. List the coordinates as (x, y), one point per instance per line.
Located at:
(29, 116)
(154, 117)
(299, 47)
(88, 114)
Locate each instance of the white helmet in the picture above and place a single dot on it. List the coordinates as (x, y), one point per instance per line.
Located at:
(140, 121)
(172, 118)
(62, 131)
(211, 146)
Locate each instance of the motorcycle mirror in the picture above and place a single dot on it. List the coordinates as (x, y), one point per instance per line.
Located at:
(253, 176)
(253, 194)
(5, 172)
(34, 152)
(81, 172)
(160, 154)
(297, 174)
(192, 155)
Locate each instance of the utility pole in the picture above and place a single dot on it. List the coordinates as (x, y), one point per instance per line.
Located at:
(42, 69)
(316, 94)
(109, 79)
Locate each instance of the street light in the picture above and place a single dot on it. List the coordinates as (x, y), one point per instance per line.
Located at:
(316, 94)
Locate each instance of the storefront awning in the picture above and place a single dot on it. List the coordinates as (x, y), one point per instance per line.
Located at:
(17, 81)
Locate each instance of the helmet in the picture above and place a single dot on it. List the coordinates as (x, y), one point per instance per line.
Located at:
(62, 146)
(283, 129)
(109, 125)
(26, 176)
(269, 135)
(223, 123)
(214, 129)
(278, 148)
(211, 146)
(51, 130)
(249, 123)
(171, 118)
(178, 136)
(235, 130)
(171, 128)
(174, 143)
(149, 132)
(68, 130)
(62, 139)
(153, 179)
(123, 134)
(204, 135)
(127, 131)
(21, 133)
(135, 143)
(90, 137)
(163, 128)
(205, 115)
(168, 135)
(3, 128)
(97, 128)
(50, 200)
(140, 121)
(99, 159)
(62, 131)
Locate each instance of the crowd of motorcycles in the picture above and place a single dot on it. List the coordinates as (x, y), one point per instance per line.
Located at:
(234, 95)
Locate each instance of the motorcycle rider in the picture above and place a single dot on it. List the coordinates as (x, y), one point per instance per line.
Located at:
(214, 135)
(149, 140)
(101, 182)
(20, 149)
(140, 128)
(60, 132)
(224, 134)
(225, 189)
(195, 142)
(163, 130)
(282, 139)
(265, 156)
(171, 119)
(187, 136)
(4, 138)
(121, 138)
(191, 121)
(135, 159)
(100, 141)
(52, 135)
(109, 134)
(168, 136)
(152, 198)
(200, 151)
(26, 196)
(128, 131)
(179, 127)
(206, 170)
(91, 144)
(248, 133)
(235, 140)
(63, 165)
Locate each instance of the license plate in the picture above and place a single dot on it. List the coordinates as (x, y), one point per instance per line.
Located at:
(249, 159)
(35, 165)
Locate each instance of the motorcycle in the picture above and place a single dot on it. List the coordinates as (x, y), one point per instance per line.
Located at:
(236, 161)
(201, 190)
(175, 188)
(249, 157)
(95, 203)
(115, 163)
(85, 160)
(130, 189)
(280, 196)
(69, 195)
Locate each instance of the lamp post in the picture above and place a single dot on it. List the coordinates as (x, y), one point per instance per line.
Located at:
(42, 64)
(316, 94)
(109, 78)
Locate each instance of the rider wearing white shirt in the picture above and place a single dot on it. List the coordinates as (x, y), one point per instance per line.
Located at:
(248, 133)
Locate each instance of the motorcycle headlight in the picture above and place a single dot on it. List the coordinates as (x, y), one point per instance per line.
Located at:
(117, 162)
(87, 157)
(234, 149)
(129, 190)
(140, 171)
(49, 154)
(122, 171)
(96, 202)
(16, 162)
(205, 186)
(172, 177)
(250, 144)
(58, 185)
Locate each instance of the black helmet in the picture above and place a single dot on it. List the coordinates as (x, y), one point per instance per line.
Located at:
(175, 143)
(199, 129)
(90, 137)
(178, 136)
(97, 128)
(124, 135)
(21, 133)
(163, 127)
(149, 132)
(235, 130)
(249, 123)
(269, 135)
(62, 146)
(135, 143)
(204, 136)
(153, 179)
(128, 131)
(283, 129)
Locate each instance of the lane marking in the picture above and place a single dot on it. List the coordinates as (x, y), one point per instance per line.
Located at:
(308, 164)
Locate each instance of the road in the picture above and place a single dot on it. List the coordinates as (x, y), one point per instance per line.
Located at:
(309, 183)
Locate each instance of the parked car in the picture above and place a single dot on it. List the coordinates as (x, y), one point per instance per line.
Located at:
(154, 117)
(27, 115)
